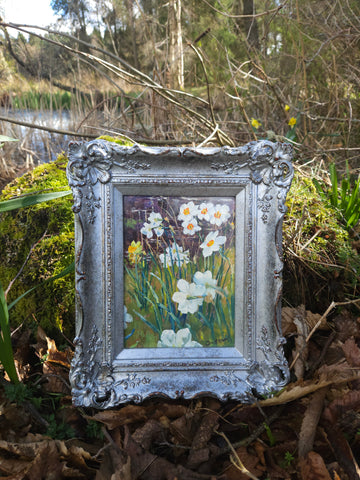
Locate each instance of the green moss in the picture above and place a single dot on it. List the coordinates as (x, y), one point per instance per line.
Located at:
(309, 217)
(46, 230)
(119, 141)
(321, 264)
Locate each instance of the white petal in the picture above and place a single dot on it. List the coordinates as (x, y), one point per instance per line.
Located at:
(179, 297)
(183, 336)
(183, 285)
(220, 240)
(167, 338)
(196, 290)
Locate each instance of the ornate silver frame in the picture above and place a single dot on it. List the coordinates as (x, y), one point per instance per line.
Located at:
(104, 373)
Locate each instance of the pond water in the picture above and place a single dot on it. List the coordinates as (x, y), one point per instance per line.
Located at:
(41, 145)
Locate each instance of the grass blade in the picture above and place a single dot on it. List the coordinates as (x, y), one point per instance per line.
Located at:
(28, 200)
(6, 353)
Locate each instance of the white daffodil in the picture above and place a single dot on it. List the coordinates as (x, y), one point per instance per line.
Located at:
(147, 230)
(158, 231)
(155, 219)
(174, 256)
(189, 297)
(127, 317)
(205, 210)
(207, 281)
(180, 339)
(188, 211)
(212, 243)
(191, 227)
(219, 214)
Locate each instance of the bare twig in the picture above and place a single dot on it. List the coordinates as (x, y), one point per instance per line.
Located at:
(235, 459)
(47, 129)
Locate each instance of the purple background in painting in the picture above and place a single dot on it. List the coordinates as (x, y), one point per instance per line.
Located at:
(139, 207)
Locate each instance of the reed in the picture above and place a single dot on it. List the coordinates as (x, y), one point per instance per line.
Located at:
(34, 100)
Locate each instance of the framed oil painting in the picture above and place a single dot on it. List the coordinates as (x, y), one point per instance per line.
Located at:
(178, 271)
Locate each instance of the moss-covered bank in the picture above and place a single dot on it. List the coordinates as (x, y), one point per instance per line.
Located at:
(322, 262)
(41, 240)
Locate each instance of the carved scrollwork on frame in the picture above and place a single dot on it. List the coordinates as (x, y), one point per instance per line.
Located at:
(85, 371)
(270, 164)
(89, 164)
(93, 384)
(273, 368)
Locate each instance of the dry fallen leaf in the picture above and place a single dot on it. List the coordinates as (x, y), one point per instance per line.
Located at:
(312, 467)
(138, 413)
(327, 375)
(339, 406)
(288, 315)
(300, 353)
(352, 352)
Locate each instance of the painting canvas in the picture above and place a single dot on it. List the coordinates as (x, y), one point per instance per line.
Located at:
(179, 277)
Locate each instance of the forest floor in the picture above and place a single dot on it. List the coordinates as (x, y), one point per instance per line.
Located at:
(310, 430)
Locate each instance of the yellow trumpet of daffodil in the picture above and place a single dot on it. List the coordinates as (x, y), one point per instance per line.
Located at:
(292, 122)
(134, 250)
(255, 123)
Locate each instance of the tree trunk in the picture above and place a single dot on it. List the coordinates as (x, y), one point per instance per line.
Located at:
(176, 53)
(249, 24)
(131, 26)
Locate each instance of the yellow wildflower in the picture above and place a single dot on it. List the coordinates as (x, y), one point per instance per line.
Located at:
(134, 251)
(292, 122)
(287, 108)
(255, 123)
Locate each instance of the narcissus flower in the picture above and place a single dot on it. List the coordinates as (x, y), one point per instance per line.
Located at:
(155, 224)
(180, 339)
(207, 281)
(188, 211)
(155, 220)
(147, 230)
(219, 214)
(204, 210)
(255, 123)
(212, 243)
(134, 250)
(287, 108)
(174, 256)
(189, 297)
(292, 122)
(191, 227)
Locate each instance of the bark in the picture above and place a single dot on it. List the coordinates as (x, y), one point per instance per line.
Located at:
(249, 24)
(176, 53)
